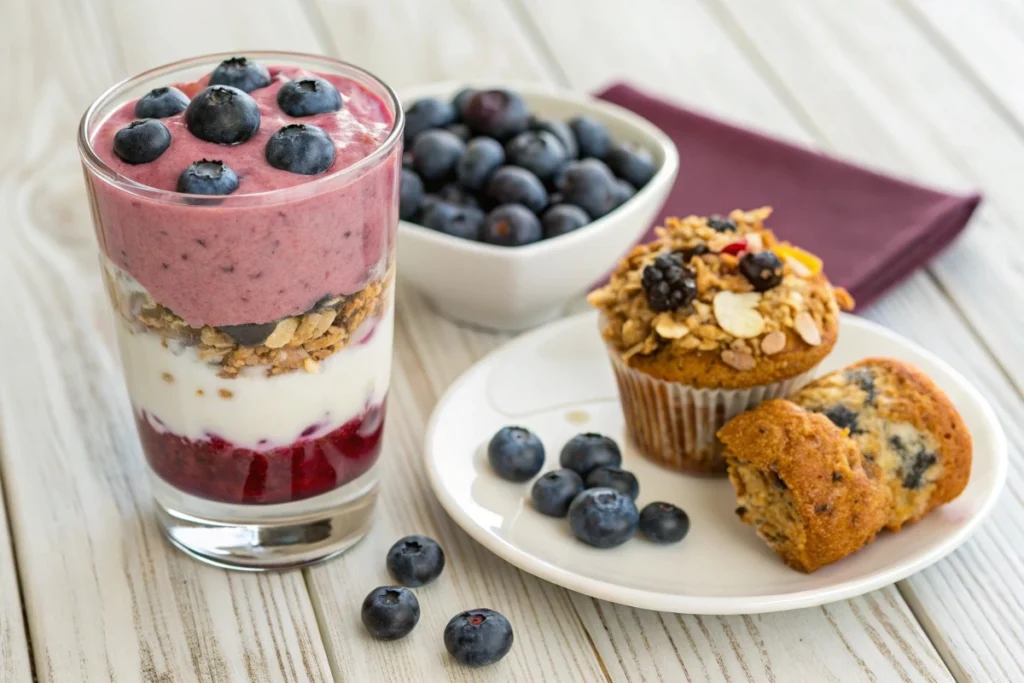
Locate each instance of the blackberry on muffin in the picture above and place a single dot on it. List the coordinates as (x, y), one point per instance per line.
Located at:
(904, 424)
(802, 484)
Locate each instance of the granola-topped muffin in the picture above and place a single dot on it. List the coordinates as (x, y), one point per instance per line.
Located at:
(805, 488)
(904, 424)
(709, 319)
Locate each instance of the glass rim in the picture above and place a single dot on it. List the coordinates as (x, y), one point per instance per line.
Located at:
(101, 169)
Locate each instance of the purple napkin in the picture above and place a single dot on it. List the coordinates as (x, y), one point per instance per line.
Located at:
(871, 230)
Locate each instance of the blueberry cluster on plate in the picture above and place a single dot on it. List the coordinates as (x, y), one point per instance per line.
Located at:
(475, 637)
(225, 114)
(483, 168)
(591, 488)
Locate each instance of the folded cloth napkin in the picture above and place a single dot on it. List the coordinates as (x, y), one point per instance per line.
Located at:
(871, 230)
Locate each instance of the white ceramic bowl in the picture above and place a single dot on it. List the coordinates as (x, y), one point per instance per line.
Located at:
(514, 288)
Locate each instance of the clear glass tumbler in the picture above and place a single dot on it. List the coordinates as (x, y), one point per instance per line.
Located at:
(255, 330)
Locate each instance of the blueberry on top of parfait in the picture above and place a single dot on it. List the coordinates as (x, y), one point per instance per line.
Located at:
(308, 97)
(142, 141)
(301, 148)
(159, 103)
(208, 177)
(223, 114)
(241, 73)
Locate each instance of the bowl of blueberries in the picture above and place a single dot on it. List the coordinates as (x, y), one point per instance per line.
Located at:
(516, 199)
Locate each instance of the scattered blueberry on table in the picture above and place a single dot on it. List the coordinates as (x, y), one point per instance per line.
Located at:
(515, 454)
(390, 612)
(586, 452)
(478, 637)
(567, 174)
(415, 561)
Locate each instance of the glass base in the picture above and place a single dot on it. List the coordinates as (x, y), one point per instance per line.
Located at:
(267, 537)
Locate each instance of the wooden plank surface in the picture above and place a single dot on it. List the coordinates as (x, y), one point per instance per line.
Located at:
(105, 597)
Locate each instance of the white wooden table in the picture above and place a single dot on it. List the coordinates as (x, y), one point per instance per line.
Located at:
(929, 89)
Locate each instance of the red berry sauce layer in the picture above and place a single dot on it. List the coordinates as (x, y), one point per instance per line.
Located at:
(217, 470)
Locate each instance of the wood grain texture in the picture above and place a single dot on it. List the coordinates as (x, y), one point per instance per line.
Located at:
(106, 598)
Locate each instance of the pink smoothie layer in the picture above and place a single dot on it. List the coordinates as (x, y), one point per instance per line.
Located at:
(254, 260)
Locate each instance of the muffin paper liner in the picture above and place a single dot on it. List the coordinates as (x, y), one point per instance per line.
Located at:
(675, 425)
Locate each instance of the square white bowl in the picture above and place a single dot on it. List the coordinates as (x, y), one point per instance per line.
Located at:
(515, 288)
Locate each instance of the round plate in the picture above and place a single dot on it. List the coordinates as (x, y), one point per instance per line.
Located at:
(557, 382)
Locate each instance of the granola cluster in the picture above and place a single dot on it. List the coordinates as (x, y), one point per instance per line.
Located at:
(293, 343)
(727, 314)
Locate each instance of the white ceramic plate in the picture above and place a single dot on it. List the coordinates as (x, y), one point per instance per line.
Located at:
(556, 381)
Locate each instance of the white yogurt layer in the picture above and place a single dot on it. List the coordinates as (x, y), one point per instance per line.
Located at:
(184, 394)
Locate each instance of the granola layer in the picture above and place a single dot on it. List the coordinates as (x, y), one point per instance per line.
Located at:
(297, 342)
(729, 334)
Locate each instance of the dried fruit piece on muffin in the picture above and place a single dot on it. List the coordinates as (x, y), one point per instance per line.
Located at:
(904, 424)
(803, 484)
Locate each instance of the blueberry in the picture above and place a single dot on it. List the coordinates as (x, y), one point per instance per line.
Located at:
(499, 114)
(239, 72)
(159, 103)
(603, 518)
(478, 637)
(482, 158)
(696, 250)
(763, 269)
(512, 225)
(460, 130)
(843, 417)
(456, 194)
(631, 163)
(563, 218)
(614, 478)
(426, 114)
(592, 136)
(410, 195)
(586, 452)
(515, 453)
(865, 379)
(591, 186)
(663, 523)
(913, 477)
(415, 561)
(208, 177)
(250, 334)
(308, 97)
(461, 100)
(623, 192)
(301, 148)
(429, 200)
(457, 221)
(142, 141)
(719, 224)
(223, 114)
(435, 154)
(390, 612)
(514, 185)
(560, 130)
(553, 492)
(539, 152)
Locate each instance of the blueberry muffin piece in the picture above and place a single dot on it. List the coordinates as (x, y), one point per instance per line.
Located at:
(904, 424)
(803, 484)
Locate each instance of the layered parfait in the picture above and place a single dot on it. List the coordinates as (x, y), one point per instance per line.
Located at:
(247, 226)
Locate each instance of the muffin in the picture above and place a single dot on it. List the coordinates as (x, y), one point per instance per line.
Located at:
(904, 424)
(803, 484)
(709, 319)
